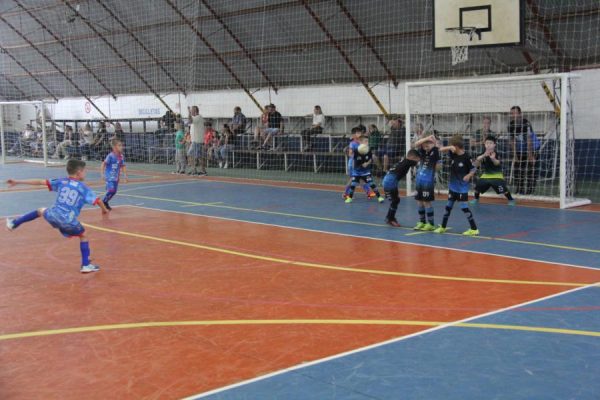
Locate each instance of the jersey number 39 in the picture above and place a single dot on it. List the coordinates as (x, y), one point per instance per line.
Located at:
(68, 196)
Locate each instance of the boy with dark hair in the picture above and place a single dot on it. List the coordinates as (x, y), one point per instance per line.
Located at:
(461, 172)
(390, 184)
(111, 170)
(425, 180)
(361, 171)
(491, 173)
(73, 194)
(352, 147)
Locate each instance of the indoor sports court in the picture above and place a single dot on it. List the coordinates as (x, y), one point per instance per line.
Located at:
(221, 257)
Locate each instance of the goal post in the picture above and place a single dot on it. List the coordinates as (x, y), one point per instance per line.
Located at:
(460, 106)
(28, 132)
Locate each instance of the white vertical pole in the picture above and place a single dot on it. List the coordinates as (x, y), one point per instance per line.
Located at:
(2, 144)
(564, 98)
(407, 128)
(44, 140)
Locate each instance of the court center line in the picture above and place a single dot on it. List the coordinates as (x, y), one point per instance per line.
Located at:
(244, 322)
(431, 246)
(330, 267)
(302, 216)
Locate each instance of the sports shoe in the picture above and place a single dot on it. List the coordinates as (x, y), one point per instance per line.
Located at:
(474, 202)
(512, 203)
(381, 199)
(226, 165)
(440, 229)
(392, 222)
(344, 196)
(428, 228)
(348, 200)
(419, 226)
(471, 232)
(220, 164)
(108, 207)
(370, 195)
(85, 269)
(10, 224)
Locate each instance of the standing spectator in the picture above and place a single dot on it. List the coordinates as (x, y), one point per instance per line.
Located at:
(225, 140)
(180, 154)
(275, 125)
(375, 143)
(118, 133)
(478, 140)
(395, 142)
(197, 140)
(318, 122)
(238, 122)
(68, 140)
(260, 131)
(524, 145)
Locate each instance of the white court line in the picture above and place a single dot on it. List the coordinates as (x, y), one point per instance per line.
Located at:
(88, 208)
(368, 238)
(376, 345)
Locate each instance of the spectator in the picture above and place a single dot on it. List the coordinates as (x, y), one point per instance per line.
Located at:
(27, 137)
(180, 153)
(197, 140)
(395, 142)
(210, 143)
(68, 141)
(274, 127)
(87, 141)
(318, 122)
(375, 143)
(101, 143)
(524, 145)
(118, 133)
(480, 135)
(261, 128)
(238, 122)
(168, 121)
(225, 141)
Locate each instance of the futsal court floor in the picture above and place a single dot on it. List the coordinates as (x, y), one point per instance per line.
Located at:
(229, 289)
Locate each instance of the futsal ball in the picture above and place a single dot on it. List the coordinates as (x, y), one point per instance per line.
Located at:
(363, 149)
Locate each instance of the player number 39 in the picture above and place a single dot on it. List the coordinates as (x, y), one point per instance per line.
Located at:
(68, 196)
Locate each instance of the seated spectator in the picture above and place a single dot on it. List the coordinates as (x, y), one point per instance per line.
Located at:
(238, 122)
(274, 127)
(260, 131)
(318, 122)
(68, 141)
(87, 141)
(23, 142)
(167, 121)
(118, 133)
(222, 150)
(210, 143)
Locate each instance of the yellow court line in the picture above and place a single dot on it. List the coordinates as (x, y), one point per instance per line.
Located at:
(139, 325)
(491, 238)
(330, 267)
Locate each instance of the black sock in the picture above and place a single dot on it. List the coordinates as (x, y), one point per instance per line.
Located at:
(508, 196)
(477, 195)
(422, 214)
(374, 189)
(470, 218)
(430, 215)
(447, 214)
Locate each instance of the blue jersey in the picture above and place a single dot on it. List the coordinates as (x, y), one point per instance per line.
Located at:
(426, 170)
(112, 167)
(72, 196)
(460, 167)
(353, 146)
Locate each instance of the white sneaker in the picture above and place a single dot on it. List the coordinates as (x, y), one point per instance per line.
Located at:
(220, 164)
(89, 268)
(10, 224)
(226, 165)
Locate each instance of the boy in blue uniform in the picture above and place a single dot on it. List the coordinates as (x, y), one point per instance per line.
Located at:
(425, 180)
(390, 184)
(461, 172)
(357, 133)
(111, 170)
(73, 194)
(361, 171)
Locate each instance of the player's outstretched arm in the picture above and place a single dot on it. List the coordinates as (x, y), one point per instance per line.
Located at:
(448, 148)
(31, 182)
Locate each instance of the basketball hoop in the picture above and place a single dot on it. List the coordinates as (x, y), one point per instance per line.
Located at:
(462, 37)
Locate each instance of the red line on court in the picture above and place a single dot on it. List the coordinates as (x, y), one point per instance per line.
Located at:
(144, 280)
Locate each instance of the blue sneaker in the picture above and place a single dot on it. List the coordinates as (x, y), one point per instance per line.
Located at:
(85, 269)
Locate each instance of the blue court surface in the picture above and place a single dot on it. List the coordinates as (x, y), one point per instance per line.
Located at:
(493, 356)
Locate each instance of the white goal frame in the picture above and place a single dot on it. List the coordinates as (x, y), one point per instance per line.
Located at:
(565, 200)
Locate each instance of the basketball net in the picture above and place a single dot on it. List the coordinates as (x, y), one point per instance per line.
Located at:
(460, 51)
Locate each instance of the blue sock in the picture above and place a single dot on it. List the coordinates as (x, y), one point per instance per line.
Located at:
(430, 215)
(85, 253)
(366, 187)
(30, 216)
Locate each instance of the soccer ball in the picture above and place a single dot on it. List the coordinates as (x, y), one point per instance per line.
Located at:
(363, 149)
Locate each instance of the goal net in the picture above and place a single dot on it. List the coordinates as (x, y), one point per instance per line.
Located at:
(531, 118)
(28, 132)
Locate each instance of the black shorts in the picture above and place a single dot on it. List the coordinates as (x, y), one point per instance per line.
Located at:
(455, 196)
(425, 194)
(499, 185)
(365, 178)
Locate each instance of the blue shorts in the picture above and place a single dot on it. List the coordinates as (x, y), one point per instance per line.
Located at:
(272, 131)
(195, 150)
(112, 186)
(390, 182)
(67, 229)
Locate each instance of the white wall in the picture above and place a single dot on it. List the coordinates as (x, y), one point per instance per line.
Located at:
(351, 100)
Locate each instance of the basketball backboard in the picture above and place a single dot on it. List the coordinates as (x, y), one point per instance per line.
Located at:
(498, 22)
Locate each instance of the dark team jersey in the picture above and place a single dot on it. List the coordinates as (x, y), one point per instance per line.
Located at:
(426, 170)
(402, 168)
(489, 170)
(519, 129)
(460, 166)
(359, 160)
